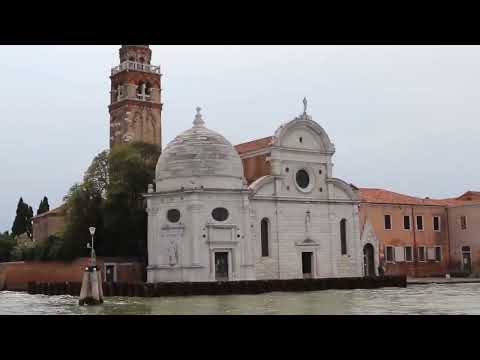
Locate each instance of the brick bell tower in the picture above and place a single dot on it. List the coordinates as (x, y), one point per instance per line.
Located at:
(135, 102)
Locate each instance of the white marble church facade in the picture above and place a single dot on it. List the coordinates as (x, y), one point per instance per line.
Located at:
(206, 224)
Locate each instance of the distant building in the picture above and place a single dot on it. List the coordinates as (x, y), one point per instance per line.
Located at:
(464, 229)
(420, 237)
(49, 223)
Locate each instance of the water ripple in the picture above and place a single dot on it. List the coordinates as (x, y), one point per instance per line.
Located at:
(414, 300)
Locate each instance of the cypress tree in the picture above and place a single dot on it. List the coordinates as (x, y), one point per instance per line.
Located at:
(19, 226)
(23, 220)
(44, 206)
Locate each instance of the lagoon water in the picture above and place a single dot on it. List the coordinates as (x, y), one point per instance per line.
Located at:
(415, 299)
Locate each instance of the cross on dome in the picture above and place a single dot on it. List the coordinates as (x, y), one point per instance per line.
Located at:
(198, 118)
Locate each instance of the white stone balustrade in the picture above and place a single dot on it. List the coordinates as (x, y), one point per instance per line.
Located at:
(136, 66)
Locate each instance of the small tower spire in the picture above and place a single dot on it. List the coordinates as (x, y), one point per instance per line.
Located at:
(198, 118)
(305, 105)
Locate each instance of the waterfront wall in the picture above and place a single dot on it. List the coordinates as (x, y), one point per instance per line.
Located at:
(220, 288)
(17, 275)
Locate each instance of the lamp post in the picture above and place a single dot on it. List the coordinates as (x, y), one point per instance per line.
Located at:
(93, 259)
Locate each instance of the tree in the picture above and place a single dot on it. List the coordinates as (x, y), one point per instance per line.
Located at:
(23, 220)
(44, 206)
(97, 173)
(110, 198)
(132, 168)
(7, 242)
(84, 209)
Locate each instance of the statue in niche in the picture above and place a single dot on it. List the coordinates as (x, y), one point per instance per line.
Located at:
(307, 223)
(172, 253)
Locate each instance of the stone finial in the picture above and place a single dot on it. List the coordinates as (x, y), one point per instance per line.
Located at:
(198, 118)
(150, 188)
(305, 105)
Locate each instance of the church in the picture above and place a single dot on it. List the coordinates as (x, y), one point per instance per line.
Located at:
(293, 219)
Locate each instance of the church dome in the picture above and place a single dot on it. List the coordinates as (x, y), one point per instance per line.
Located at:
(199, 158)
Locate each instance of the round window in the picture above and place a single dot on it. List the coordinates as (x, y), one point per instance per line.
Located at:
(303, 180)
(173, 215)
(220, 214)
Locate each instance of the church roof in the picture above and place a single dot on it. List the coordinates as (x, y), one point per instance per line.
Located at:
(199, 152)
(254, 145)
(382, 196)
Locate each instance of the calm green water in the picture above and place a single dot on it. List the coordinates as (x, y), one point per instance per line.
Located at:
(418, 299)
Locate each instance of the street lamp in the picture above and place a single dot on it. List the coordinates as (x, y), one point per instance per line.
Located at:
(93, 259)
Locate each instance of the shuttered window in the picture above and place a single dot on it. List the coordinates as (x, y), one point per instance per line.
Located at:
(399, 254)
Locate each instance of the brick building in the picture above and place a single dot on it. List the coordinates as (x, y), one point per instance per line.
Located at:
(135, 101)
(49, 223)
(423, 237)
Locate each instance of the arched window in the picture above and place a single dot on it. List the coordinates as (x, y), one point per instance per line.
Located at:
(148, 86)
(141, 88)
(343, 236)
(264, 236)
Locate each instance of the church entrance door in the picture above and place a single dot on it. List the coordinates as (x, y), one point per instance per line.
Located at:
(368, 261)
(221, 266)
(307, 264)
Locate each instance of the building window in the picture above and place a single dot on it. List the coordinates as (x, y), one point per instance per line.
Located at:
(463, 222)
(406, 222)
(343, 236)
(389, 253)
(431, 253)
(408, 254)
(387, 219)
(421, 253)
(173, 215)
(419, 222)
(264, 236)
(303, 180)
(436, 223)
(438, 253)
(399, 254)
(220, 214)
(465, 248)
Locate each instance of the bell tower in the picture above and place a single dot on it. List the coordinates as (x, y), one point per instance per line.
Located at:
(135, 98)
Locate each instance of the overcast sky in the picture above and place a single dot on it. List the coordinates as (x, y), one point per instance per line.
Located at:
(404, 118)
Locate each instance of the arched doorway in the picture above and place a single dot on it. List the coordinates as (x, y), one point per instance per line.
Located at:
(368, 260)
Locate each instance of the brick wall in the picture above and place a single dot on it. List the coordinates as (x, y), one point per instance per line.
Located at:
(17, 275)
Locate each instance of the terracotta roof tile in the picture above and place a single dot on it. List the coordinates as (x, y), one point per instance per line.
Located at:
(254, 145)
(381, 196)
